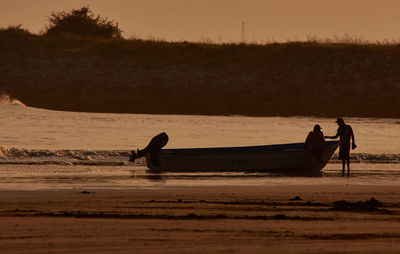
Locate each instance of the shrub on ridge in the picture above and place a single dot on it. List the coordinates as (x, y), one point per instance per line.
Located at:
(82, 22)
(14, 32)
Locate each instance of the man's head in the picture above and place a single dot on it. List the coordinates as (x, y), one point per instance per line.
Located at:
(317, 128)
(340, 121)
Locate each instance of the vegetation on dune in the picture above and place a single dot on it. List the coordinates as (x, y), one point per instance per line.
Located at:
(79, 72)
(14, 32)
(82, 22)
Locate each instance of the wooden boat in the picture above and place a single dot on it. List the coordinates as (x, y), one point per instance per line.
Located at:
(284, 158)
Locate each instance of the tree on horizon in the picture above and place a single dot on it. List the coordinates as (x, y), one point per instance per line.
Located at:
(82, 22)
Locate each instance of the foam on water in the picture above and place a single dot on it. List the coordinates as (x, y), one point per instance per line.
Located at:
(7, 100)
(121, 157)
(65, 157)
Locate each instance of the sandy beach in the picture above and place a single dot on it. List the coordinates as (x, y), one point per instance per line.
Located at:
(231, 219)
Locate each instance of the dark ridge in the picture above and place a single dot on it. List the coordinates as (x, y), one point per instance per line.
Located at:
(158, 77)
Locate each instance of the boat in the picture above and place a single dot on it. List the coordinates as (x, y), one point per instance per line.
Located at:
(282, 158)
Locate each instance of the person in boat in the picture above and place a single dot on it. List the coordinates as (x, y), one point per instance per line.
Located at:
(315, 142)
(153, 148)
(346, 134)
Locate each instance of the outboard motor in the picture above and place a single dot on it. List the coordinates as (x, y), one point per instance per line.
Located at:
(154, 147)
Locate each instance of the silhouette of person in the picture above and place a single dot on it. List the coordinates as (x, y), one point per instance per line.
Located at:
(345, 132)
(315, 142)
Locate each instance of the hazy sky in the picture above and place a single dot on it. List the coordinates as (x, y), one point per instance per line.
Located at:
(221, 20)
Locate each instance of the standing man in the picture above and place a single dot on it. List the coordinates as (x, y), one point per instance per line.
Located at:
(345, 132)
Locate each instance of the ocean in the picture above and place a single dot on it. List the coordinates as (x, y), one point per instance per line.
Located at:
(45, 149)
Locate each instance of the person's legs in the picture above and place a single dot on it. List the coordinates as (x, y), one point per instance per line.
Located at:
(344, 155)
(348, 167)
(343, 166)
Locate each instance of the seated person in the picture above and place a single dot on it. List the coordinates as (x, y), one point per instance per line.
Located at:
(315, 141)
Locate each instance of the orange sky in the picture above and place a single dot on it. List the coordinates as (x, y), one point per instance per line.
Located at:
(220, 20)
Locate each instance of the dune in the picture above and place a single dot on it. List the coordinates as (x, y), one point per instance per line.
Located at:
(159, 77)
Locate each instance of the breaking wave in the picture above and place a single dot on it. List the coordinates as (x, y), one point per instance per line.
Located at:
(371, 158)
(7, 100)
(121, 157)
(67, 157)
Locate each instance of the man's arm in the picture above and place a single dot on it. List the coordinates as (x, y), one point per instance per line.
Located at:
(333, 137)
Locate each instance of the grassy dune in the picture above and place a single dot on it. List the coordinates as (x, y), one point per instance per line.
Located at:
(137, 76)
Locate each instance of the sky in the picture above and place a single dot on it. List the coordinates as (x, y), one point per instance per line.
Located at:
(221, 20)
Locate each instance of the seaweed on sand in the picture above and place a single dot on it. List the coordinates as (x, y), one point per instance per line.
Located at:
(370, 205)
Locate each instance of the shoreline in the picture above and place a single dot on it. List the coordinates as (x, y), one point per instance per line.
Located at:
(234, 219)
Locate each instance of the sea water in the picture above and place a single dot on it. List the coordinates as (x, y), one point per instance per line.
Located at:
(46, 149)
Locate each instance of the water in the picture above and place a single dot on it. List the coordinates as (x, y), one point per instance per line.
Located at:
(44, 149)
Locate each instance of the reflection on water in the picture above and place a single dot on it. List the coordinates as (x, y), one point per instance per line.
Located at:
(32, 128)
(59, 177)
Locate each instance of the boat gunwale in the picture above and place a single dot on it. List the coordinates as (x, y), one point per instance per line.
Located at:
(244, 149)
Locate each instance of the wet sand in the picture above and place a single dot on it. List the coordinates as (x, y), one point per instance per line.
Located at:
(231, 219)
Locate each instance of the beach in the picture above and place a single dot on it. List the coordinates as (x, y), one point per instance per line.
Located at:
(221, 219)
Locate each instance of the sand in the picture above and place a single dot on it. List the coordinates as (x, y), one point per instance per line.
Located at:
(233, 219)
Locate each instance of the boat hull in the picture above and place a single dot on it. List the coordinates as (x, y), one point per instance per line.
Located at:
(286, 158)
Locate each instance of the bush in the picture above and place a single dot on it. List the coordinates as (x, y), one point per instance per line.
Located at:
(82, 22)
(14, 32)
(14, 40)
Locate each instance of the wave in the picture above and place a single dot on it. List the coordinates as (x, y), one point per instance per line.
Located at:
(7, 100)
(121, 157)
(67, 157)
(371, 158)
